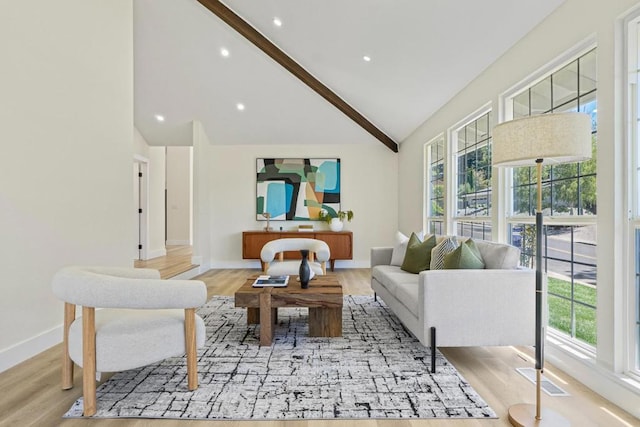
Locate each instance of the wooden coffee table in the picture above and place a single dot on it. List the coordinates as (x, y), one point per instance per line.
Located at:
(323, 297)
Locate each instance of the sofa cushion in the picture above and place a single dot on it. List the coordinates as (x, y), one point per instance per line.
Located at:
(498, 255)
(407, 294)
(390, 276)
(440, 250)
(465, 256)
(418, 254)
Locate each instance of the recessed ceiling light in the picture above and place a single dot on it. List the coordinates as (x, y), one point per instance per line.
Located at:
(159, 118)
(277, 22)
(366, 58)
(224, 52)
(240, 107)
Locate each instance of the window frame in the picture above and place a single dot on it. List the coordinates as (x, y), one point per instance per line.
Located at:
(505, 187)
(631, 287)
(452, 200)
(428, 217)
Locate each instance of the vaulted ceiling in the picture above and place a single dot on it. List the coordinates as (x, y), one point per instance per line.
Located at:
(422, 52)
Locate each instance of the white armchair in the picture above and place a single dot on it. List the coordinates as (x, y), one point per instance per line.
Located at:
(144, 320)
(319, 254)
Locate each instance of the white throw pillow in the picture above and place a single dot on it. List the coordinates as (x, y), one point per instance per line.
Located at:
(400, 247)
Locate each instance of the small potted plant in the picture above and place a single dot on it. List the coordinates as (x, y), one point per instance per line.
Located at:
(335, 219)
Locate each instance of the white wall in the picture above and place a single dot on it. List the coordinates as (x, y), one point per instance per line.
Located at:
(178, 195)
(155, 159)
(140, 145)
(571, 25)
(66, 120)
(157, 185)
(202, 224)
(369, 188)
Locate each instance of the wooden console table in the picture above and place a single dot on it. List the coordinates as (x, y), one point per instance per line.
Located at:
(340, 243)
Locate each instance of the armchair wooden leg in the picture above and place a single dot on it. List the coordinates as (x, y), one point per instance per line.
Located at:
(190, 344)
(89, 360)
(67, 363)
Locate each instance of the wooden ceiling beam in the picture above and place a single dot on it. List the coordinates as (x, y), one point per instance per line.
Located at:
(251, 34)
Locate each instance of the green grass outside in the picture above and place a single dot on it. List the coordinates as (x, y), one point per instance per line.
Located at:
(560, 309)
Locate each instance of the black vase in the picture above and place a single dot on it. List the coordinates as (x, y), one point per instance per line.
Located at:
(305, 270)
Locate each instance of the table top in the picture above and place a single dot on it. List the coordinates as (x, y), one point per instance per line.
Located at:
(323, 290)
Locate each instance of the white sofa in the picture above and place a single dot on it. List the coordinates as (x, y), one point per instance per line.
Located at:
(494, 306)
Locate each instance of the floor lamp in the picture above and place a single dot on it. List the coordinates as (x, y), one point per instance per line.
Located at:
(553, 138)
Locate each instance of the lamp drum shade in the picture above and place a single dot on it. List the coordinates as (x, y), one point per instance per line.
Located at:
(555, 138)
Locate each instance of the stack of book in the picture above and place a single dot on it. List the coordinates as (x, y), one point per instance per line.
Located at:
(277, 281)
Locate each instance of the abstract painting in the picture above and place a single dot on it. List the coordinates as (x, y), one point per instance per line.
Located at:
(297, 189)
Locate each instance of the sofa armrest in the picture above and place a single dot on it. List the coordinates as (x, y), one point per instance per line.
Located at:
(478, 307)
(381, 256)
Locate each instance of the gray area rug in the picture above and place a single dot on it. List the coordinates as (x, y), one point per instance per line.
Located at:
(375, 370)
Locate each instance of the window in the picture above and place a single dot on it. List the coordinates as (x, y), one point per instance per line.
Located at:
(633, 289)
(435, 197)
(568, 200)
(472, 148)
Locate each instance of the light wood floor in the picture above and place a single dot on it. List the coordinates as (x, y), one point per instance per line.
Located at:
(177, 261)
(30, 393)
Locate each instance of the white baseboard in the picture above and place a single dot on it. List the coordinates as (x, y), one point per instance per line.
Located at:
(26, 349)
(203, 266)
(178, 242)
(190, 274)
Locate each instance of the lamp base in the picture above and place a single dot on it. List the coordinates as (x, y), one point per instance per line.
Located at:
(524, 415)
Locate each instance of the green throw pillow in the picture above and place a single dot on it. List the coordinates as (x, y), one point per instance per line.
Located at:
(418, 255)
(466, 256)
